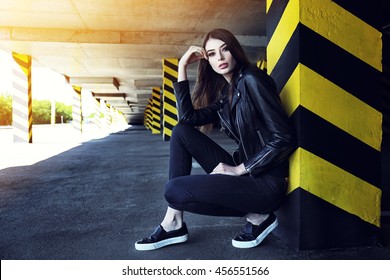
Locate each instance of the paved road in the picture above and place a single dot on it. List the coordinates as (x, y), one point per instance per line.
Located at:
(93, 198)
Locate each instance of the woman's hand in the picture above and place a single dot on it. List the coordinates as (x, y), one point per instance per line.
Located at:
(226, 169)
(193, 54)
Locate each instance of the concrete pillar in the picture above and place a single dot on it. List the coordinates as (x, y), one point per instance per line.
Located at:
(325, 57)
(170, 118)
(98, 112)
(148, 115)
(22, 99)
(77, 113)
(107, 114)
(156, 112)
(262, 64)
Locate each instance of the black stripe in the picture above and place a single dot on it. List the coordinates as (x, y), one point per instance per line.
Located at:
(345, 70)
(174, 67)
(170, 77)
(274, 15)
(170, 102)
(330, 61)
(287, 62)
(169, 89)
(168, 125)
(324, 226)
(156, 127)
(327, 141)
(368, 11)
(170, 114)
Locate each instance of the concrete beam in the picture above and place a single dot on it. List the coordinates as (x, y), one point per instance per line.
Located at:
(108, 96)
(114, 37)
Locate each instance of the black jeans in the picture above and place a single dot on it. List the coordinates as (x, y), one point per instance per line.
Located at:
(216, 195)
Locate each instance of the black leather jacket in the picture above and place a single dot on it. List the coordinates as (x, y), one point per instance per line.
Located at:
(256, 121)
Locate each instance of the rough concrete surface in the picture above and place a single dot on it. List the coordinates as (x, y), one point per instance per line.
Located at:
(93, 201)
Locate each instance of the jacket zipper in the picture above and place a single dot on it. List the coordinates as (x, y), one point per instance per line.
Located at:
(239, 132)
(228, 127)
(261, 138)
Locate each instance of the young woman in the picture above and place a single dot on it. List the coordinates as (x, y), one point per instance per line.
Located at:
(250, 183)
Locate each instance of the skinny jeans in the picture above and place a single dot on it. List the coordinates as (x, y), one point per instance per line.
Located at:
(215, 194)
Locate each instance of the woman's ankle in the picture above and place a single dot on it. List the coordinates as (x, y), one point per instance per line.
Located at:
(171, 225)
(256, 219)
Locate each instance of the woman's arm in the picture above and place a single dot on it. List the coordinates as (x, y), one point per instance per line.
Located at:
(193, 54)
(262, 92)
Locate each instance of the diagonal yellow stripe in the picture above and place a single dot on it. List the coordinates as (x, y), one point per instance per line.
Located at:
(24, 61)
(170, 108)
(268, 5)
(322, 97)
(335, 186)
(169, 95)
(169, 120)
(283, 32)
(344, 29)
(333, 23)
(170, 71)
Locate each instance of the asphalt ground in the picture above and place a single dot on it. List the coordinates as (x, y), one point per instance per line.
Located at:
(72, 197)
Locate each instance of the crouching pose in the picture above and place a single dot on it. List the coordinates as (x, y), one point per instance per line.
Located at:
(249, 183)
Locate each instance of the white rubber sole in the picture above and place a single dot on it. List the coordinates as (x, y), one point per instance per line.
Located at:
(162, 243)
(258, 240)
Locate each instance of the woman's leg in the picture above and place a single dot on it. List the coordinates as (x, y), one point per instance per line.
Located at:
(224, 195)
(188, 143)
(173, 219)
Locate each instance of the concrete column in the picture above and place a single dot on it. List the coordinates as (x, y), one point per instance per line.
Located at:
(148, 115)
(98, 113)
(107, 114)
(22, 99)
(325, 57)
(77, 113)
(170, 117)
(156, 112)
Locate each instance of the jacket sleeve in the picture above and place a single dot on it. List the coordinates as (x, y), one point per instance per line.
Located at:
(187, 114)
(279, 139)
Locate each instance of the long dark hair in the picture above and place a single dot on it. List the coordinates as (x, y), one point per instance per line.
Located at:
(209, 84)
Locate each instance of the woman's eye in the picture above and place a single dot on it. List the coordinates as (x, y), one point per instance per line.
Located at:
(226, 49)
(211, 54)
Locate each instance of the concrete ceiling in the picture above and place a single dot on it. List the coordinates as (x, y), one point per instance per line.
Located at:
(114, 48)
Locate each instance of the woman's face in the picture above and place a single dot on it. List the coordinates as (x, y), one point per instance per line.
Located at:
(220, 58)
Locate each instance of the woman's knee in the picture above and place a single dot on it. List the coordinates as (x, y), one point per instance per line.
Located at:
(181, 130)
(172, 191)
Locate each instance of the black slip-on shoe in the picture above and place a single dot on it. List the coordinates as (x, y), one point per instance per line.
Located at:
(161, 238)
(254, 235)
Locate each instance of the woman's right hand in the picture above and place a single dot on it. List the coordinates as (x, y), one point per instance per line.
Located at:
(193, 54)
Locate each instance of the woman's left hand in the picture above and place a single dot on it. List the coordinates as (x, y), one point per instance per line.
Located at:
(226, 169)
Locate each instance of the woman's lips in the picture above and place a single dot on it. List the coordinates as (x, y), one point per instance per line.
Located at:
(223, 66)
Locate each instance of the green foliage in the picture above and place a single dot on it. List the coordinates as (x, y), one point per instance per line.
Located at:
(5, 109)
(41, 111)
(64, 111)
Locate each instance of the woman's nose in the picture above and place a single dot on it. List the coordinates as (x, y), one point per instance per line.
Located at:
(221, 57)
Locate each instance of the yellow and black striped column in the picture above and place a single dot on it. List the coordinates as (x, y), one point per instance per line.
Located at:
(148, 114)
(325, 57)
(22, 99)
(77, 109)
(170, 118)
(262, 64)
(156, 110)
(98, 113)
